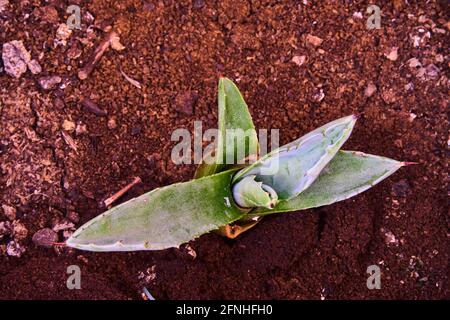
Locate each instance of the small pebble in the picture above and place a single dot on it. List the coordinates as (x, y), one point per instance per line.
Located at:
(68, 125)
(370, 90)
(392, 55)
(15, 58)
(19, 230)
(112, 124)
(298, 60)
(10, 212)
(49, 82)
(185, 102)
(315, 41)
(73, 216)
(14, 249)
(5, 229)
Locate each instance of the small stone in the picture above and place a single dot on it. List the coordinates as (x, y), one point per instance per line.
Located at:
(14, 249)
(198, 4)
(319, 95)
(80, 129)
(148, 6)
(432, 72)
(357, 15)
(59, 103)
(148, 275)
(392, 55)
(315, 41)
(400, 189)
(190, 251)
(185, 102)
(389, 96)
(74, 52)
(409, 86)
(115, 43)
(63, 32)
(73, 216)
(45, 237)
(412, 116)
(67, 234)
(136, 130)
(299, 60)
(63, 225)
(439, 58)
(34, 67)
(47, 14)
(68, 125)
(389, 238)
(49, 82)
(370, 90)
(5, 229)
(19, 231)
(15, 58)
(413, 63)
(10, 212)
(3, 5)
(398, 4)
(112, 124)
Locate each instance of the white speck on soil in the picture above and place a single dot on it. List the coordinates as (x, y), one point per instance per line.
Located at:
(389, 237)
(299, 60)
(191, 251)
(314, 40)
(392, 55)
(63, 33)
(14, 249)
(49, 82)
(357, 15)
(148, 275)
(370, 90)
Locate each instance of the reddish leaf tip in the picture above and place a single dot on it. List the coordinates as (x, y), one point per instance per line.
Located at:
(408, 163)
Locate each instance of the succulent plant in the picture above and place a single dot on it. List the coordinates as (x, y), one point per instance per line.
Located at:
(306, 173)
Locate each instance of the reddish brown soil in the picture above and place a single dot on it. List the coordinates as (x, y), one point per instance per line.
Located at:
(177, 46)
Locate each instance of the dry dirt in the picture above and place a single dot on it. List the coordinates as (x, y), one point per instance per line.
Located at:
(299, 64)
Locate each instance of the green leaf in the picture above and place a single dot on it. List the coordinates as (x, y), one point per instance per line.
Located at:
(249, 193)
(348, 174)
(163, 218)
(234, 117)
(292, 168)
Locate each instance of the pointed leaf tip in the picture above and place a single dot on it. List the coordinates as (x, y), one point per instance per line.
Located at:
(408, 163)
(292, 168)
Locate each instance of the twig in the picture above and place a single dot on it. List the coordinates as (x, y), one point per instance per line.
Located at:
(121, 192)
(89, 105)
(69, 140)
(96, 55)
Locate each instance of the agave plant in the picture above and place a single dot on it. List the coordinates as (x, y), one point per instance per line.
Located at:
(306, 173)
